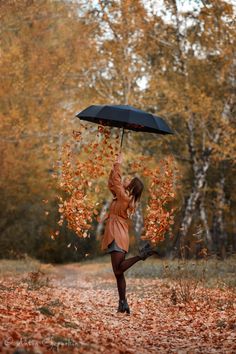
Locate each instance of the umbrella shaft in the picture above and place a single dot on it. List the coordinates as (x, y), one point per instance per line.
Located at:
(122, 138)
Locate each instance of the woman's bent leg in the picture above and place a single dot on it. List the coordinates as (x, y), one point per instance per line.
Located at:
(127, 263)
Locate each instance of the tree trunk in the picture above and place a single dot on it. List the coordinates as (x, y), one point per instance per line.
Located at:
(100, 226)
(221, 201)
(138, 223)
(204, 218)
(218, 227)
(200, 164)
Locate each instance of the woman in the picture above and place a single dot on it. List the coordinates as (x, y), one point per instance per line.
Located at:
(115, 239)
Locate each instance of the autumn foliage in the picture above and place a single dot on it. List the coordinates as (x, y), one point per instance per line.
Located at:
(58, 57)
(160, 218)
(78, 183)
(87, 167)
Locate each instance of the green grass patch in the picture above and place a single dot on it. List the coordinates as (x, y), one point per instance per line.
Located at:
(211, 272)
(19, 266)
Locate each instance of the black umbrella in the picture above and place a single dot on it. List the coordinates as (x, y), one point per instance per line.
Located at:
(126, 117)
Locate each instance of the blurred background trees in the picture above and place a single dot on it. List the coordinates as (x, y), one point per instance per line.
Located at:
(57, 57)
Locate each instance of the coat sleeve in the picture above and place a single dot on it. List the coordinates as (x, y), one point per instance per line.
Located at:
(115, 184)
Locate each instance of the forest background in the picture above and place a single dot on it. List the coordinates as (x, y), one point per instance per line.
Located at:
(58, 57)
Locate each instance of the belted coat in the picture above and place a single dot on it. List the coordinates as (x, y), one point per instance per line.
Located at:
(117, 221)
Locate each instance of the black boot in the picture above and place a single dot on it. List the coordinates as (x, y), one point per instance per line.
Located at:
(123, 306)
(145, 251)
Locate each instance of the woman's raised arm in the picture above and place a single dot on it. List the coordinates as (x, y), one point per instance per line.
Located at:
(115, 182)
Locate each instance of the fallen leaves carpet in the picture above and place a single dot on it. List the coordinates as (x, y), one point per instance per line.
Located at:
(75, 312)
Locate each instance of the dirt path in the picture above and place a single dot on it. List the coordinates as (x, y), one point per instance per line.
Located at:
(83, 275)
(76, 313)
(96, 276)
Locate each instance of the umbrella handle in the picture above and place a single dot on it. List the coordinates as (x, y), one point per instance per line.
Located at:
(122, 138)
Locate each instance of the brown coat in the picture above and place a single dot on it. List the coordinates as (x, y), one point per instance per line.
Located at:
(117, 223)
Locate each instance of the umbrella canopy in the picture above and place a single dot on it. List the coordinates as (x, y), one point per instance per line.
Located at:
(126, 117)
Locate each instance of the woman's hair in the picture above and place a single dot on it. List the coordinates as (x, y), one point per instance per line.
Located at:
(135, 189)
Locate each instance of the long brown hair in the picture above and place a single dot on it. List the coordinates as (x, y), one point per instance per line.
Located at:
(135, 189)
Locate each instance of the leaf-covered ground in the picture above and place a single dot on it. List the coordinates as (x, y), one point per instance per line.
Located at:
(74, 311)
